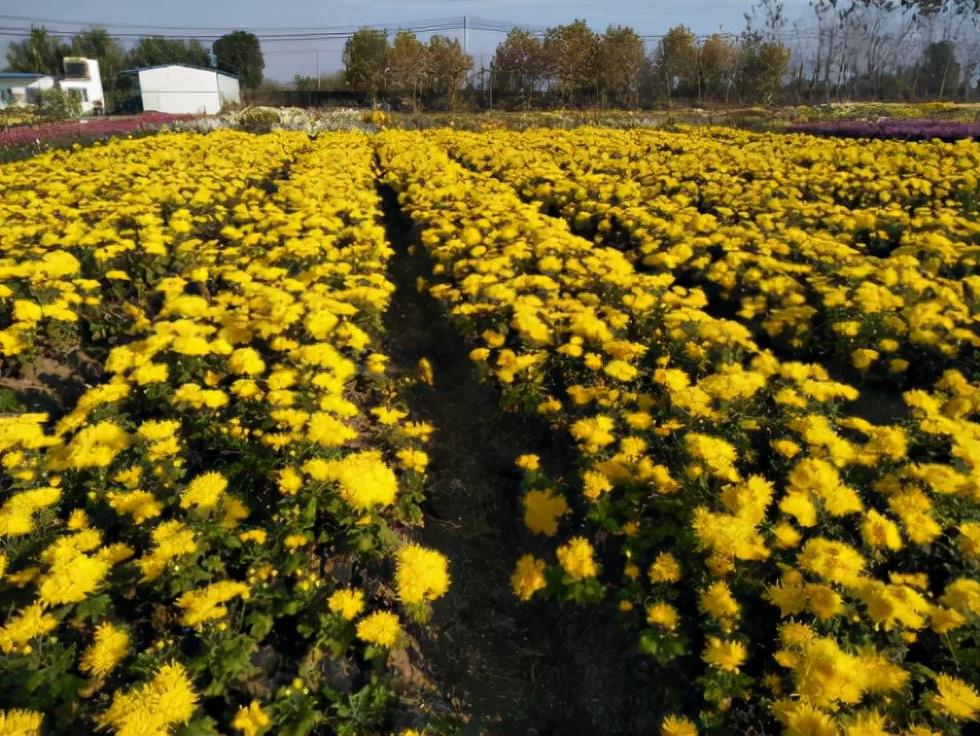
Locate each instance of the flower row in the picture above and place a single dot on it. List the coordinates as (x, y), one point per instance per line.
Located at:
(213, 535)
(765, 539)
(859, 253)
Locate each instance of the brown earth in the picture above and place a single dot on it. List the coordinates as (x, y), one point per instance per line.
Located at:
(496, 665)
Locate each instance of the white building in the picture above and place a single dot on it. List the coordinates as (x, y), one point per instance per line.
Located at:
(23, 88)
(177, 88)
(82, 78)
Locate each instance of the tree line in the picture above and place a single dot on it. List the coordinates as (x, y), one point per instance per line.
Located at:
(847, 49)
(568, 65)
(418, 74)
(844, 49)
(573, 65)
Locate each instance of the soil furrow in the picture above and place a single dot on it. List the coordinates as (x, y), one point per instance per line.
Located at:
(503, 667)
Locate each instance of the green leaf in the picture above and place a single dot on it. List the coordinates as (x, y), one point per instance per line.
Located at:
(9, 402)
(260, 624)
(206, 726)
(92, 608)
(229, 661)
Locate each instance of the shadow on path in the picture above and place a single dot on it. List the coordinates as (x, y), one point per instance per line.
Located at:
(505, 668)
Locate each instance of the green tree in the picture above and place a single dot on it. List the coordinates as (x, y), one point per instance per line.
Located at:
(96, 43)
(408, 64)
(761, 68)
(677, 61)
(572, 52)
(716, 64)
(304, 83)
(156, 50)
(517, 68)
(448, 67)
(366, 61)
(59, 104)
(39, 52)
(240, 53)
(939, 74)
(621, 57)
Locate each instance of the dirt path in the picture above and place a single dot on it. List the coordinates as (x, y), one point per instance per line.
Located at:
(505, 668)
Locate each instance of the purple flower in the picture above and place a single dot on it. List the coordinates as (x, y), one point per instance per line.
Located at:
(85, 130)
(912, 130)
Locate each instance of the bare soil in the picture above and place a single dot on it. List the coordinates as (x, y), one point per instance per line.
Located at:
(500, 666)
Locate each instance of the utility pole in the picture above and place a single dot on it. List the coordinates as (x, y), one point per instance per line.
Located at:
(316, 55)
(464, 34)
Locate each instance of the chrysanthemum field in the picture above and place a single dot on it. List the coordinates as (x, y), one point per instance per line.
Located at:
(584, 431)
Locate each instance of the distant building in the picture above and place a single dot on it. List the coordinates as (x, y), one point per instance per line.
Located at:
(23, 88)
(178, 88)
(81, 79)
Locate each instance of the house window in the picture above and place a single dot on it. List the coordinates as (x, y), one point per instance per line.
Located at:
(81, 94)
(76, 69)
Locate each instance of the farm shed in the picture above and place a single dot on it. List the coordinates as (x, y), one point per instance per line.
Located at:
(177, 88)
(23, 88)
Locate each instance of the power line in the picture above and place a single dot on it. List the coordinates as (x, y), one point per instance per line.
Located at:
(294, 52)
(271, 35)
(422, 26)
(299, 36)
(150, 26)
(312, 35)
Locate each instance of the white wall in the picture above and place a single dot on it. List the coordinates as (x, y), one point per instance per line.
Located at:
(228, 89)
(180, 89)
(23, 92)
(92, 86)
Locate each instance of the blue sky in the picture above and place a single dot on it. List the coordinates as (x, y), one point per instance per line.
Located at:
(284, 59)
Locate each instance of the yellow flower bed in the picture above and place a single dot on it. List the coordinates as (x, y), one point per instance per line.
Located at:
(762, 350)
(215, 519)
(863, 253)
(776, 552)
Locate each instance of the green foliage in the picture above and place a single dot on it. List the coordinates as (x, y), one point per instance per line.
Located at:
(156, 50)
(762, 65)
(258, 119)
(572, 53)
(677, 60)
(621, 59)
(448, 67)
(518, 66)
(9, 401)
(940, 72)
(362, 712)
(240, 54)
(39, 52)
(59, 104)
(366, 60)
